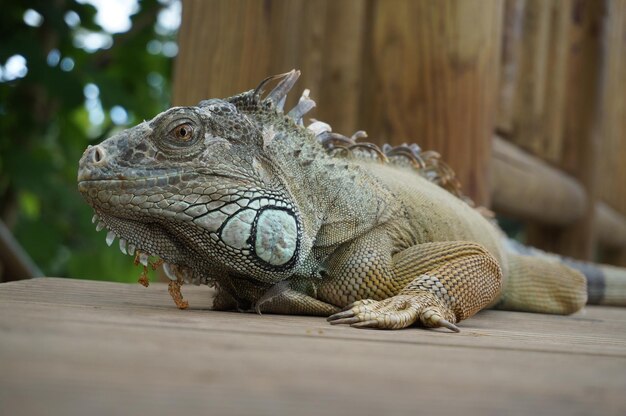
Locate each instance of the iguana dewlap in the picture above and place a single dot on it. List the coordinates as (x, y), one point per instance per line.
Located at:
(283, 218)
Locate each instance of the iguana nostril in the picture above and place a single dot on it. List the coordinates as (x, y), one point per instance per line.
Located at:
(98, 154)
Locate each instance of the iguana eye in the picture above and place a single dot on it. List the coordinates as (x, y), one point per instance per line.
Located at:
(183, 133)
(178, 132)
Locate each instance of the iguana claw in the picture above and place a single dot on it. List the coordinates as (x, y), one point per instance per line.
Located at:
(449, 325)
(348, 321)
(392, 313)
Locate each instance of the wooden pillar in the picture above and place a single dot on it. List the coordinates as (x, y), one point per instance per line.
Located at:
(611, 167)
(556, 87)
(581, 129)
(512, 36)
(431, 76)
(423, 71)
(532, 91)
(227, 47)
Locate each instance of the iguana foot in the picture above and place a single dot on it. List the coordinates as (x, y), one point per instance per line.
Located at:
(397, 312)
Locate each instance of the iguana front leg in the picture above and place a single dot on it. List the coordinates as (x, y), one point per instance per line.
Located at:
(437, 284)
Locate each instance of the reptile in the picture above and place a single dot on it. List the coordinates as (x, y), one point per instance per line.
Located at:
(284, 218)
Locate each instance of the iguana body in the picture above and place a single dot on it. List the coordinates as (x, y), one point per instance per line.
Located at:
(288, 219)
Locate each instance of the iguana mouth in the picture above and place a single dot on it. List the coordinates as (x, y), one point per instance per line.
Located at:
(125, 182)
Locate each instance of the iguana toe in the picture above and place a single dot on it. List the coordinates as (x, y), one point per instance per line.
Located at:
(395, 312)
(372, 323)
(431, 317)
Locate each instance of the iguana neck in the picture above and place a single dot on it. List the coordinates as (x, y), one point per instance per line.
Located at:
(324, 189)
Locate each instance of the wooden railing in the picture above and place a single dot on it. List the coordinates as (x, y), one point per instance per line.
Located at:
(524, 186)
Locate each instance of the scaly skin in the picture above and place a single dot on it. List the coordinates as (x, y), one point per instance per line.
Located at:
(288, 219)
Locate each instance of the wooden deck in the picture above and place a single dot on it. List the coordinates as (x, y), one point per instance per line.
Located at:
(70, 347)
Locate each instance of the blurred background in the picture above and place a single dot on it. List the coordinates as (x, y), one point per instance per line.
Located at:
(71, 74)
(525, 99)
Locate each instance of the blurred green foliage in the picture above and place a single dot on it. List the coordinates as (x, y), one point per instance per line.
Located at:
(47, 119)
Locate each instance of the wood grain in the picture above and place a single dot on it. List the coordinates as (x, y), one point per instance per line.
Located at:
(535, 57)
(512, 36)
(424, 71)
(430, 77)
(427, 72)
(70, 347)
(218, 42)
(612, 126)
(227, 47)
(612, 123)
(551, 139)
(529, 103)
(581, 129)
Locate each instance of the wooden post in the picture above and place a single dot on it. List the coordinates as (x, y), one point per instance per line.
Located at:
(536, 58)
(431, 76)
(529, 99)
(512, 32)
(581, 130)
(229, 46)
(556, 78)
(611, 166)
(426, 72)
(423, 72)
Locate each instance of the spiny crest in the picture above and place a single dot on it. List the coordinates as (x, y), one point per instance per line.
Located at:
(275, 99)
(427, 163)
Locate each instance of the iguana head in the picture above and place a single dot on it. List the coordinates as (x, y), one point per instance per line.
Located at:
(195, 186)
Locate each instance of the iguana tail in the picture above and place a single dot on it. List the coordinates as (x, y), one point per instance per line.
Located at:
(606, 285)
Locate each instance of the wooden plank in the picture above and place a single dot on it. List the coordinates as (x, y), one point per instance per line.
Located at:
(556, 80)
(612, 170)
(509, 70)
(532, 90)
(218, 41)
(529, 104)
(229, 47)
(580, 152)
(444, 99)
(77, 347)
(612, 141)
(431, 73)
(339, 92)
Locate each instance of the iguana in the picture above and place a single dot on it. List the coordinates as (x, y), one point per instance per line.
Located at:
(283, 218)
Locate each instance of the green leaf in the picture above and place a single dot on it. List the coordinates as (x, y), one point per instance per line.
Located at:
(29, 205)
